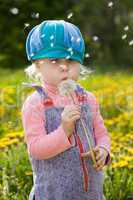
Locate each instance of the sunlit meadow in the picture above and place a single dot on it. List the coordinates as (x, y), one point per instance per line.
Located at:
(114, 91)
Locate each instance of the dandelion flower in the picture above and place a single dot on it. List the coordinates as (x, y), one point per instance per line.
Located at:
(66, 87)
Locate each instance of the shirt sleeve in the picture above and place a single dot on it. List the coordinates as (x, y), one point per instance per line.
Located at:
(100, 131)
(40, 144)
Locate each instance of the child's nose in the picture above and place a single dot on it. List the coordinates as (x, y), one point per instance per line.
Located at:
(64, 67)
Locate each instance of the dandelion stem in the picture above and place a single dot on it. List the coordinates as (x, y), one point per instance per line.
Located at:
(86, 134)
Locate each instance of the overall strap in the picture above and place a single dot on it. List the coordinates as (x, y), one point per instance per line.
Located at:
(81, 94)
(47, 101)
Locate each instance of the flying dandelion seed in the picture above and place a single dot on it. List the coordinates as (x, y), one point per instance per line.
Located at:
(71, 53)
(52, 44)
(110, 4)
(14, 11)
(69, 15)
(131, 43)
(78, 40)
(32, 54)
(72, 38)
(87, 55)
(43, 35)
(95, 38)
(69, 49)
(51, 37)
(124, 37)
(67, 57)
(26, 25)
(126, 28)
(35, 15)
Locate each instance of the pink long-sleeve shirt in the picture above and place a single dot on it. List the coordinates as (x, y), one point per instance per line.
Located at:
(43, 146)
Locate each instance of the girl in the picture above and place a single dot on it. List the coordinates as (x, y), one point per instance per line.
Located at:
(57, 147)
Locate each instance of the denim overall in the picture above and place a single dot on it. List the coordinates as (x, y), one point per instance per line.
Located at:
(67, 176)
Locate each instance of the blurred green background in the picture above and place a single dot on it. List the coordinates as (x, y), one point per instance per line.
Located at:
(107, 27)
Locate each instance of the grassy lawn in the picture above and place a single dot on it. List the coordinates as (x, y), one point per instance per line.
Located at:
(114, 91)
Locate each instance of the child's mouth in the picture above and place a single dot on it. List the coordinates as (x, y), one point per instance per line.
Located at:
(64, 79)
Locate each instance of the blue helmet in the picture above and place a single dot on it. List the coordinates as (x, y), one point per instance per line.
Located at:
(55, 39)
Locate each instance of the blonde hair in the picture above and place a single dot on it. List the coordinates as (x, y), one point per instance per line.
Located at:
(33, 73)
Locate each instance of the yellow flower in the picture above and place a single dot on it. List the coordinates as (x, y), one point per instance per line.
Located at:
(28, 173)
(10, 142)
(122, 163)
(130, 166)
(128, 158)
(130, 150)
(2, 110)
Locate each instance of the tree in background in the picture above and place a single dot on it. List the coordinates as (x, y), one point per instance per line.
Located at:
(106, 27)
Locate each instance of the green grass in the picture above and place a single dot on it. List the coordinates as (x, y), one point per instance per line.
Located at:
(15, 168)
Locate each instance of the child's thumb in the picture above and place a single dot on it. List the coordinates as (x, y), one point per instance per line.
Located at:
(86, 155)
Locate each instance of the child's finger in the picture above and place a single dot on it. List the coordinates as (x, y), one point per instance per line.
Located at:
(96, 149)
(76, 117)
(100, 162)
(86, 154)
(99, 168)
(98, 157)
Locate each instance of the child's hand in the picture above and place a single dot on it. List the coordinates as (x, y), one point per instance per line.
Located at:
(68, 117)
(100, 154)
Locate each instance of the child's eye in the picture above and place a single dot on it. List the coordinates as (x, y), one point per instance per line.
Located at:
(71, 61)
(54, 61)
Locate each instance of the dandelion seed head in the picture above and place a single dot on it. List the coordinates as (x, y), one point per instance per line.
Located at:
(67, 86)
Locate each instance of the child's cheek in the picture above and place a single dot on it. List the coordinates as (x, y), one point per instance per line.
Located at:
(73, 74)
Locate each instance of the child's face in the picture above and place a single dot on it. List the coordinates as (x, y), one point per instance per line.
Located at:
(56, 70)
